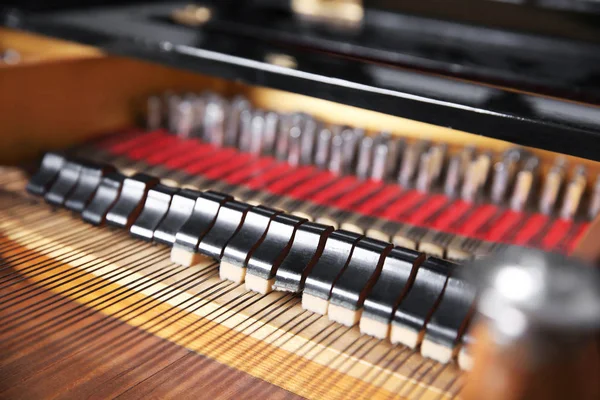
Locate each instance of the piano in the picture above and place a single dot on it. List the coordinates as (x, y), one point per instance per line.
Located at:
(300, 199)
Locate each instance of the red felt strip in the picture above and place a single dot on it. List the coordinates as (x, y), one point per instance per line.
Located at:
(153, 147)
(246, 173)
(356, 195)
(130, 143)
(402, 204)
(333, 190)
(507, 221)
(474, 221)
(456, 210)
(219, 157)
(263, 179)
(282, 185)
(530, 228)
(380, 200)
(304, 189)
(576, 238)
(427, 209)
(558, 230)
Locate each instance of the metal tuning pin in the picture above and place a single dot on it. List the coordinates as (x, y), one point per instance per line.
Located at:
(232, 126)
(172, 102)
(552, 185)
(322, 148)
(396, 149)
(594, 207)
(257, 127)
(523, 184)
(502, 175)
(466, 156)
(307, 144)
(185, 116)
(381, 157)
(294, 146)
(154, 113)
(351, 138)
(270, 132)
(365, 157)
(283, 137)
(438, 157)
(245, 137)
(470, 183)
(410, 162)
(573, 193)
(453, 176)
(335, 159)
(423, 179)
(214, 119)
(198, 111)
(476, 177)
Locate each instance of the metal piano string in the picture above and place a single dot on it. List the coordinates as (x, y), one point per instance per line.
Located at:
(359, 347)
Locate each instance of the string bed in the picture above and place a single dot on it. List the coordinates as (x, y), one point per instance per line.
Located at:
(92, 312)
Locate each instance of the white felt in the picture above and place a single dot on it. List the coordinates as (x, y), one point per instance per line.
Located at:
(232, 272)
(314, 304)
(431, 249)
(375, 328)
(258, 284)
(351, 227)
(405, 336)
(182, 256)
(436, 351)
(377, 234)
(343, 315)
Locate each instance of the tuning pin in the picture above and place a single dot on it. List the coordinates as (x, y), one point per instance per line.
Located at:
(594, 208)
(335, 159)
(365, 154)
(574, 193)
(503, 172)
(410, 162)
(257, 127)
(198, 111)
(484, 163)
(438, 156)
(153, 113)
(476, 177)
(466, 156)
(523, 184)
(185, 116)
(423, 180)
(380, 157)
(396, 148)
(270, 132)
(245, 138)
(452, 176)
(214, 120)
(232, 126)
(323, 148)
(350, 138)
(552, 184)
(283, 136)
(309, 134)
(294, 146)
(172, 101)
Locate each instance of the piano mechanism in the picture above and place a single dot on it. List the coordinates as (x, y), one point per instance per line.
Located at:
(311, 212)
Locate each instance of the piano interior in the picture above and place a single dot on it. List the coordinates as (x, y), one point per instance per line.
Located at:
(170, 232)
